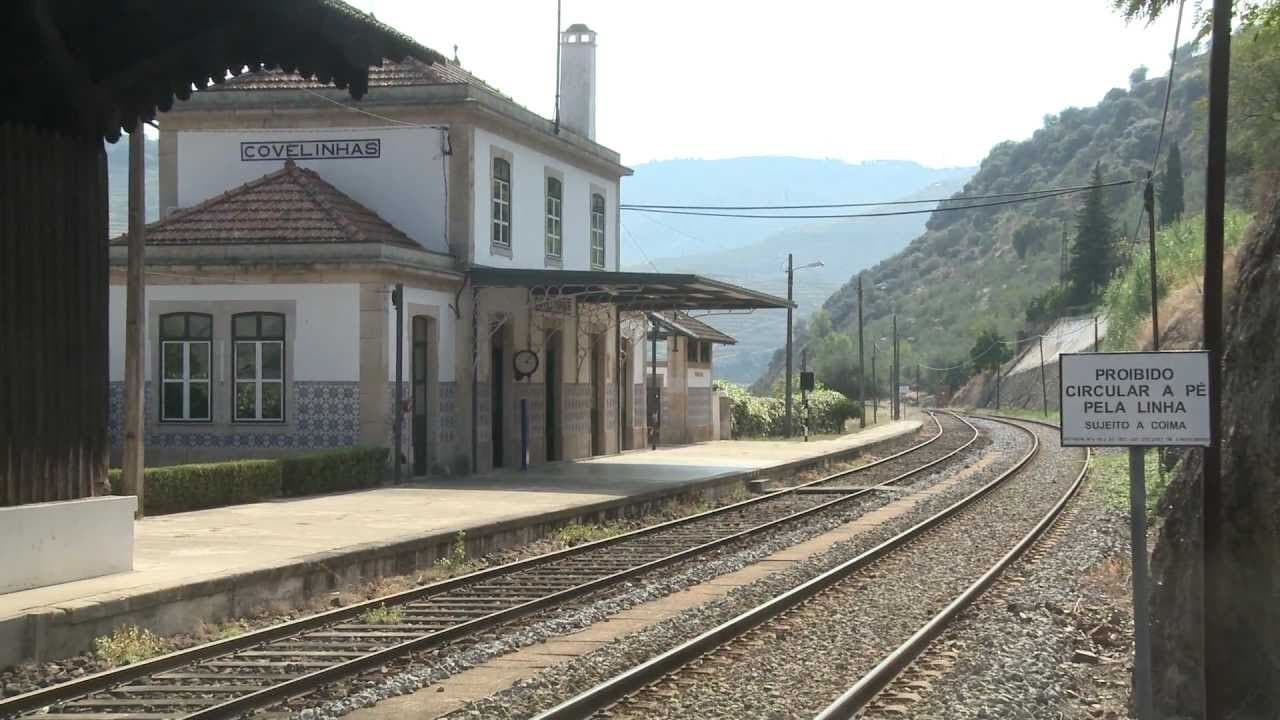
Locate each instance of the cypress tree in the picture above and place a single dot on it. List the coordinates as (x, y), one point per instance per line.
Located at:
(1093, 255)
(1171, 200)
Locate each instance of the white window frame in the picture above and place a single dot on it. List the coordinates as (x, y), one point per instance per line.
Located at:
(598, 238)
(257, 380)
(500, 204)
(554, 218)
(186, 381)
(187, 343)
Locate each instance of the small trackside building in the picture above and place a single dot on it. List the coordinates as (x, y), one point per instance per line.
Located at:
(681, 376)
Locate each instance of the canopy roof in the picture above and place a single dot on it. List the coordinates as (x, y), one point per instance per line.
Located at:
(631, 290)
(680, 323)
(92, 68)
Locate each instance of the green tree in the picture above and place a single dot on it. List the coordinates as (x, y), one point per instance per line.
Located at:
(1171, 201)
(1093, 255)
(989, 351)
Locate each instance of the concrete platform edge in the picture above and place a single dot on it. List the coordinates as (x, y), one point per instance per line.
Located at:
(49, 633)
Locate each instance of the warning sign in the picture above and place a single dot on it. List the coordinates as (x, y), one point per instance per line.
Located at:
(1131, 399)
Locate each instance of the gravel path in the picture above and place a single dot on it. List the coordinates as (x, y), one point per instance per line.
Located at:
(757, 681)
(1014, 649)
(410, 674)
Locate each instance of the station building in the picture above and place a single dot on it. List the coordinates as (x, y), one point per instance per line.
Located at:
(290, 215)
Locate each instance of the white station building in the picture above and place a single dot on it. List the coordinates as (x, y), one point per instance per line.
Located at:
(290, 214)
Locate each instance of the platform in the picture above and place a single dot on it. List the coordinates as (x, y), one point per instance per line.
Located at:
(210, 565)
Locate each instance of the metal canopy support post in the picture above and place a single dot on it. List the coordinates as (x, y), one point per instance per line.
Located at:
(618, 368)
(475, 378)
(787, 392)
(1141, 583)
(656, 413)
(1215, 696)
(862, 375)
(135, 325)
(397, 299)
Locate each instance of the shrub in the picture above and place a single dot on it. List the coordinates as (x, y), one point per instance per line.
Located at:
(347, 469)
(755, 416)
(127, 645)
(828, 411)
(178, 488)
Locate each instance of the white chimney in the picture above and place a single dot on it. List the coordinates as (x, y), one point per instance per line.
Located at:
(578, 80)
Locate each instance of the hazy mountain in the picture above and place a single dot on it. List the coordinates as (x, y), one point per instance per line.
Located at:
(118, 183)
(843, 246)
(751, 181)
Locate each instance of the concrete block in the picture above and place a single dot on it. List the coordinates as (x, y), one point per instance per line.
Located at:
(57, 542)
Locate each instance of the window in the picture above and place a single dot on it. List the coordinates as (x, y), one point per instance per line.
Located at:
(555, 198)
(597, 230)
(184, 366)
(258, 341)
(501, 202)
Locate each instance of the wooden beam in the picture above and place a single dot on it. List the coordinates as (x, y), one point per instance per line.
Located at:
(135, 324)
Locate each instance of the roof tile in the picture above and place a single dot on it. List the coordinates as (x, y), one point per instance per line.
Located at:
(291, 205)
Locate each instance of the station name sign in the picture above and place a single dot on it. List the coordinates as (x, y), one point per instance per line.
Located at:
(257, 150)
(1135, 399)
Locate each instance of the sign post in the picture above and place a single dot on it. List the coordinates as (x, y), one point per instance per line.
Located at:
(1136, 400)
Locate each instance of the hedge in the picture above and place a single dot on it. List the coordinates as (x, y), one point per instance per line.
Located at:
(178, 488)
(332, 471)
(755, 416)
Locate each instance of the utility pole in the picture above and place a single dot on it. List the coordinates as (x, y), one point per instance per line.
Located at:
(894, 376)
(1062, 260)
(997, 387)
(1149, 201)
(862, 375)
(1215, 696)
(397, 299)
(1095, 333)
(917, 384)
(787, 400)
(875, 391)
(135, 323)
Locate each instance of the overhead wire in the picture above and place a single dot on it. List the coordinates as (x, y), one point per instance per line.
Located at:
(971, 206)
(988, 196)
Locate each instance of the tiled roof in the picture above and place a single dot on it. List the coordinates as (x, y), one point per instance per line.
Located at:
(291, 205)
(680, 323)
(408, 73)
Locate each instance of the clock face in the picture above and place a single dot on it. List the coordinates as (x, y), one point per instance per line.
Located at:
(525, 363)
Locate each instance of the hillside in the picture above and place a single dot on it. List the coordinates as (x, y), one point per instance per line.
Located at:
(751, 181)
(964, 272)
(843, 246)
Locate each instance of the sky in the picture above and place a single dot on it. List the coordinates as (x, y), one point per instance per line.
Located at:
(935, 81)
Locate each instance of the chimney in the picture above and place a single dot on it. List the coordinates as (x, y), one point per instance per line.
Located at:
(578, 80)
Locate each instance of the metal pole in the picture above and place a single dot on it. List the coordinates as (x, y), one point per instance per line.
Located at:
(657, 392)
(862, 375)
(524, 433)
(875, 390)
(398, 299)
(917, 384)
(475, 379)
(135, 324)
(1095, 333)
(619, 387)
(1149, 200)
(1215, 665)
(804, 394)
(787, 393)
(1044, 388)
(1141, 586)
(893, 375)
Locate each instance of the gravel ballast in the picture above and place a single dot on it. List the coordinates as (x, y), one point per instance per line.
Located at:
(413, 673)
(531, 696)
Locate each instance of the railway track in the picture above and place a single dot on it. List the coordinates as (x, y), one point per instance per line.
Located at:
(263, 668)
(704, 676)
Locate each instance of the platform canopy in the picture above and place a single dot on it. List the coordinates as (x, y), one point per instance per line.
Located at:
(680, 324)
(637, 291)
